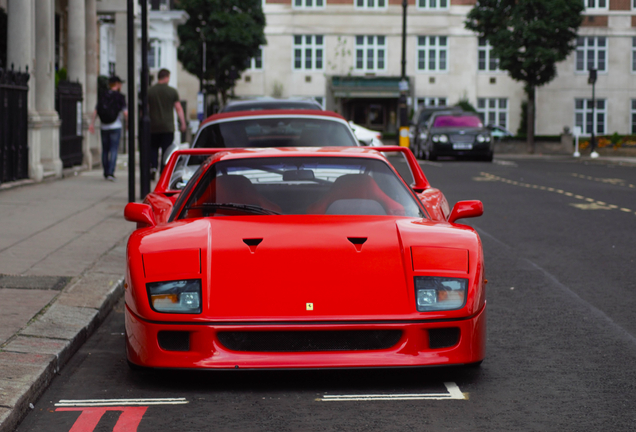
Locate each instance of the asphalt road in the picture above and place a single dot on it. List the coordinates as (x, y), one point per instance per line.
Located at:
(559, 240)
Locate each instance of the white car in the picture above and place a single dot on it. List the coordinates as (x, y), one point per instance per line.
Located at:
(366, 136)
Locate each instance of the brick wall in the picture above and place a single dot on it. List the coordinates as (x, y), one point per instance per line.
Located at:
(620, 5)
(595, 21)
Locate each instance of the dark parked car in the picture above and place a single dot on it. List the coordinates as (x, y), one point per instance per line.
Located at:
(456, 134)
(418, 128)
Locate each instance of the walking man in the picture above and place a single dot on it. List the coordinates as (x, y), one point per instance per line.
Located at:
(110, 105)
(163, 100)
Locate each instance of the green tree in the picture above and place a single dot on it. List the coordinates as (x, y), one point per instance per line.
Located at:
(233, 31)
(529, 37)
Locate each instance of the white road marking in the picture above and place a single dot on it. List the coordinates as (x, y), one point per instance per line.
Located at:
(454, 393)
(120, 402)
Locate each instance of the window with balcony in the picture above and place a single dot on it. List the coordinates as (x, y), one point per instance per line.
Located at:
(371, 4)
(588, 120)
(493, 111)
(308, 52)
(433, 4)
(432, 53)
(370, 53)
(486, 61)
(591, 53)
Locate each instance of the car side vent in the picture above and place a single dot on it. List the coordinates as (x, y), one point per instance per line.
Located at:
(357, 242)
(443, 337)
(174, 340)
(252, 243)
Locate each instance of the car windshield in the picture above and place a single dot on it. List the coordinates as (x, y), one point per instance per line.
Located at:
(275, 132)
(300, 186)
(457, 121)
(258, 106)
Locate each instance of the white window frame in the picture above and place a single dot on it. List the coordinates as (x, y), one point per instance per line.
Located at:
(155, 47)
(597, 5)
(428, 101)
(484, 46)
(432, 44)
(633, 4)
(371, 43)
(583, 112)
(584, 49)
(633, 116)
(371, 4)
(433, 4)
(494, 108)
(253, 66)
(309, 43)
(308, 4)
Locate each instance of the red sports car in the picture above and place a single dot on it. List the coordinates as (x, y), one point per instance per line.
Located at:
(302, 258)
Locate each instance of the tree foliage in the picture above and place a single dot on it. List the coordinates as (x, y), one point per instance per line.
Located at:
(233, 31)
(529, 37)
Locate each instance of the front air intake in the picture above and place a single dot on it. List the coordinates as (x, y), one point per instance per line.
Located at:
(309, 341)
(174, 340)
(443, 337)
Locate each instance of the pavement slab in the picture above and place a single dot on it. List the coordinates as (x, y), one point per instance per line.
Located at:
(18, 307)
(61, 322)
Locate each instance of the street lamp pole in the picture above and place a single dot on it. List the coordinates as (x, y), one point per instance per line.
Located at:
(131, 100)
(144, 142)
(592, 80)
(404, 87)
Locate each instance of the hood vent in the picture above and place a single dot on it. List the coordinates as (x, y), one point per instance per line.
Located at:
(252, 243)
(357, 242)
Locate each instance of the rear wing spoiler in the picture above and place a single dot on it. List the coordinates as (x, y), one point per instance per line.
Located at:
(420, 183)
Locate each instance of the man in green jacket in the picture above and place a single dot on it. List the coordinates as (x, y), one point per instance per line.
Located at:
(163, 100)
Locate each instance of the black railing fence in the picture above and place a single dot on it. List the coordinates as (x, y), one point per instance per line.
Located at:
(14, 117)
(68, 103)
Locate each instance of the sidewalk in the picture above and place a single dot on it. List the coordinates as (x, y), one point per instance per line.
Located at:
(62, 262)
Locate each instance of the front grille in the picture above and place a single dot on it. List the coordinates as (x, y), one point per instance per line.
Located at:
(309, 341)
(443, 337)
(174, 340)
(462, 138)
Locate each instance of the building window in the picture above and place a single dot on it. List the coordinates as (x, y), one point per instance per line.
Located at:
(371, 4)
(432, 4)
(597, 4)
(308, 52)
(154, 54)
(493, 111)
(486, 61)
(309, 4)
(370, 53)
(584, 118)
(634, 53)
(633, 115)
(256, 62)
(432, 53)
(431, 101)
(591, 53)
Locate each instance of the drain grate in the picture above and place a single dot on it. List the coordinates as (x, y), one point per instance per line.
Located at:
(55, 283)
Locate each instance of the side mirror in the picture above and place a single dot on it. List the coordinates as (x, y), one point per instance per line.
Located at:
(466, 209)
(140, 213)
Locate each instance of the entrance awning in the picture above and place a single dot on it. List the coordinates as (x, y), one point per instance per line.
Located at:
(365, 87)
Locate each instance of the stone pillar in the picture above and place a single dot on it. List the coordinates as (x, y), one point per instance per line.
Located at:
(21, 53)
(90, 91)
(77, 60)
(45, 83)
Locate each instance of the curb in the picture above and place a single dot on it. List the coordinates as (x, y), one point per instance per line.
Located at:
(32, 358)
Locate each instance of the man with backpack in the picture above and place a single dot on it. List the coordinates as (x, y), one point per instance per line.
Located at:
(110, 105)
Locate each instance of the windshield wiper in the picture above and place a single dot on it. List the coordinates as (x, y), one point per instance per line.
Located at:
(234, 206)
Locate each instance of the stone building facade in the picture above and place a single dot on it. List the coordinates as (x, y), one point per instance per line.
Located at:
(347, 54)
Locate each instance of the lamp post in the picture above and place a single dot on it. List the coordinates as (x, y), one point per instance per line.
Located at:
(404, 87)
(202, 91)
(144, 136)
(131, 99)
(592, 80)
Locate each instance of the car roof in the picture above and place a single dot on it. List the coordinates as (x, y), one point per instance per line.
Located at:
(273, 113)
(263, 104)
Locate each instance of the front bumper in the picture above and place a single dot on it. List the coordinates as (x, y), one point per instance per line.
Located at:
(205, 350)
(475, 150)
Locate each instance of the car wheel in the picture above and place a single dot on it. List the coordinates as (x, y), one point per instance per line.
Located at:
(475, 365)
(488, 157)
(432, 156)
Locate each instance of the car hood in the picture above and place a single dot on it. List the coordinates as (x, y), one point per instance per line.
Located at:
(304, 268)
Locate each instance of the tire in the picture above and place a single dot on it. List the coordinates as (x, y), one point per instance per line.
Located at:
(432, 156)
(475, 365)
(488, 157)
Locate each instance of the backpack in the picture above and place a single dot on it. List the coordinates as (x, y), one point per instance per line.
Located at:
(108, 107)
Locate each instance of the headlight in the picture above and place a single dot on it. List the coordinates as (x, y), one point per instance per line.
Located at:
(440, 293)
(182, 296)
(483, 138)
(440, 138)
